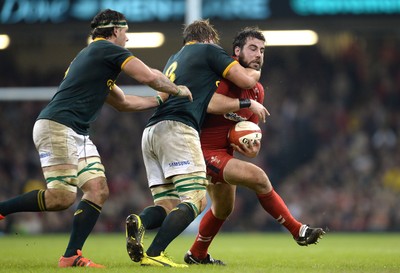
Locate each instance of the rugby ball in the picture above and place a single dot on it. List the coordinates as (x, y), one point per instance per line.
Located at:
(244, 132)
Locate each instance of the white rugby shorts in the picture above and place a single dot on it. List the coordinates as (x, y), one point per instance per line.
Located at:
(171, 148)
(58, 144)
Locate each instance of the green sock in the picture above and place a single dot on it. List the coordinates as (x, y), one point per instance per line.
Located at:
(30, 201)
(85, 218)
(153, 217)
(174, 224)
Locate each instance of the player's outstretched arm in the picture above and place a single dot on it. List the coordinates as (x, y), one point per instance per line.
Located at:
(154, 78)
(130, 103)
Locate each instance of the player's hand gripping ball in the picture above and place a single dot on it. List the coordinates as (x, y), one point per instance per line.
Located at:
(244, 132)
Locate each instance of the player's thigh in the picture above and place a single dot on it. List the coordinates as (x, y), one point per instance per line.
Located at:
(239, 172)
(58, 153)
(154, 171)
(55, 143)
(223, 199)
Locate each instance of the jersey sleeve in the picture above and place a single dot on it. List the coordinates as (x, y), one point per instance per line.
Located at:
(118, 55)
(219, 60)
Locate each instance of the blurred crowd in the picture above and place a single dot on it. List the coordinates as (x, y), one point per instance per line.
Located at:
(330, 147)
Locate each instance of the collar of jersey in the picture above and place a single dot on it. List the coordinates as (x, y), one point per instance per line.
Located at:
(98, 39)
(191, 43)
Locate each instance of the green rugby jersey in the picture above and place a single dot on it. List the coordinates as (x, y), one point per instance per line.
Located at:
(86, 84)
(198, 66)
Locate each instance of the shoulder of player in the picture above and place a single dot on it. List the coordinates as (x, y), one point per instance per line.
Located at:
(215, 46)
(204, 46)
(108, 45)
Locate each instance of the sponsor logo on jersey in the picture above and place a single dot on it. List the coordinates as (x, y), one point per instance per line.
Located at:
(43, 155)
(179, 163)
(234, 117)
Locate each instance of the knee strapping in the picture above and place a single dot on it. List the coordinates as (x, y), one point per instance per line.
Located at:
(90, 168)
(63, 179)
(164, 192)
(192, 190)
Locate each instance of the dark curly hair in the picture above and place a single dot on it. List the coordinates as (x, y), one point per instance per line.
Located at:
(105, 17)
(241, 37)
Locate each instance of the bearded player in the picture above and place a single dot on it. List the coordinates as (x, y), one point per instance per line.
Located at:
(226, 172)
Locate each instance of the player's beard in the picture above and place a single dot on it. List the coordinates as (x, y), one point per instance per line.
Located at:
(246, 64)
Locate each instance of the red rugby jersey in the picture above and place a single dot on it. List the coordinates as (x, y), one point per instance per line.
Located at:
(215, 128)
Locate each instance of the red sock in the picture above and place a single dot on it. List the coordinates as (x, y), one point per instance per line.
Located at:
(274, 205)
(208, 229)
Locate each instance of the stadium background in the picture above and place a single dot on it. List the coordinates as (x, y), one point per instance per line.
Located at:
(331, 146)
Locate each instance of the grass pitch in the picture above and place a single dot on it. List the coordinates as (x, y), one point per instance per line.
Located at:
(243, 252)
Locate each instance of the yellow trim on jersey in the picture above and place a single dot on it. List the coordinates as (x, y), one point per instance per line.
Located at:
(98, 39)
(192, 43)
(228, 68)
(126, 61)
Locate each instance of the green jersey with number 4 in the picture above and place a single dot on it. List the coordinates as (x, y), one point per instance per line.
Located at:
(199, 66)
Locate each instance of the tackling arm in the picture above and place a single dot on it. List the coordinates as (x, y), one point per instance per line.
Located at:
(154, 78)
(221, 104)
(129, 103)
(242, 77)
